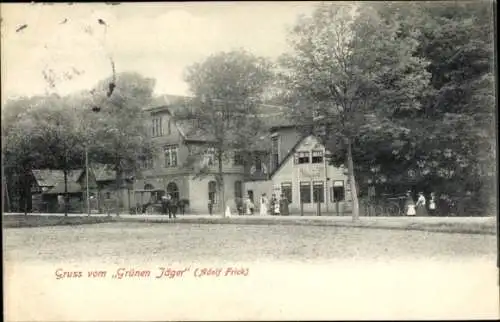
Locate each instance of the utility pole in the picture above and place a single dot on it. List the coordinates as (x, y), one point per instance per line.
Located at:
(87, 178)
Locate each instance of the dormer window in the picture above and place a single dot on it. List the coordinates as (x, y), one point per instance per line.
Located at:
(317, 156)
(302, 157)
(156, 129)
(209, 157)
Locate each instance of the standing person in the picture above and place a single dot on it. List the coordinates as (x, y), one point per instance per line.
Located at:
(277, 206)
(168, 199)
(164, 205)
(410, 205)
(263, 205)
(60, 203)
(432, 204)
(172, 208)
(420, 206)
(249, 206)
(284, 205)
(272, 205)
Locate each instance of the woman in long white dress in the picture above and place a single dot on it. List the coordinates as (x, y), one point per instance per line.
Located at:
(248, 206)
(263, 205)
(410, 205)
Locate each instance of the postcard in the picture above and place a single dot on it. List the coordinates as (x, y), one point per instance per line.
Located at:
(249, 161)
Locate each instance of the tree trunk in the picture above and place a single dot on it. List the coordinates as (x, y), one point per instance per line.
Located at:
(221, 182)
(7, 187)
(26, 191)
(66, 196)
(117, 188)
(352, 180)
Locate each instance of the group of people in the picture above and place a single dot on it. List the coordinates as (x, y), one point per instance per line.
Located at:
(421, 207)
(277, 206)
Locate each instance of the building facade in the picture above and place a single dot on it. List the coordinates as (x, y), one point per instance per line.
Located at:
(287, 163)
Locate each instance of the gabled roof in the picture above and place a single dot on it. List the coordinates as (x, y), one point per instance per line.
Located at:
(168, 103)
(73, 187)
(289, 154)
(50, 178)
(104, 172)
(190, 132)
(273, 116)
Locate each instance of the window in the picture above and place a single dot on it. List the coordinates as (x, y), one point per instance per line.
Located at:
(108, 195)
(170, 156)
(319, 192)
(286, 190)
(212, 191)
(156, 127)
(338, 191)
(302, 157)
(209, 158)
(317, 156)
(238, 189)
(305, 192)
(146, 160)
(258, 163)
(275, 151)
(238, 158)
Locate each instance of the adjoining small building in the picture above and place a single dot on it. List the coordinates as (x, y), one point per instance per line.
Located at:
(48, 189)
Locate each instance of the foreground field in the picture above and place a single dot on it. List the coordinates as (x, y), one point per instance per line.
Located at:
(292, 272)
(468, 225)
(115, 242)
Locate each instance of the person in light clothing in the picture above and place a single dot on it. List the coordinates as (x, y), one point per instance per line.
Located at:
(263, 205)
(410, 205)
(227, 214)
(432, 204)
(276, 206)
(249, 206)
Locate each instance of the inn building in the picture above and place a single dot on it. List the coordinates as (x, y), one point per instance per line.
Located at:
(286, 162)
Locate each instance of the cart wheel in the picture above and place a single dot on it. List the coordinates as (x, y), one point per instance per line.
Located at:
(379, 211)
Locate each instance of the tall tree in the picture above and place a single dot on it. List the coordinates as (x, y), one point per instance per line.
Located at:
(227, 89)
(45, 135)
(119, 133)
(451, 143)
(20, 147)
(350, 71)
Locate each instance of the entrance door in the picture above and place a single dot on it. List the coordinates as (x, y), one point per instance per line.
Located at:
(250, 195)
(173, 190)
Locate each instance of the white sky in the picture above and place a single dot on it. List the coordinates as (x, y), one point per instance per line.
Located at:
(155, 39)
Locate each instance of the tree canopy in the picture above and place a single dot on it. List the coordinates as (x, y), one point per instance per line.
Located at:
(349, 72)
(227, 89)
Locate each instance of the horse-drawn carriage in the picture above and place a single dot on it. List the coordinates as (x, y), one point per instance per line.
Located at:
(386, 205)
(148, 201)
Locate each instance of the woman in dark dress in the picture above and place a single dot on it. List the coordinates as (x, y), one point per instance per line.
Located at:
(284, 206)
(173, 205)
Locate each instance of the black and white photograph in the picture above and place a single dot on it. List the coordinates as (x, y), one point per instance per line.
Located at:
(260, 160)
